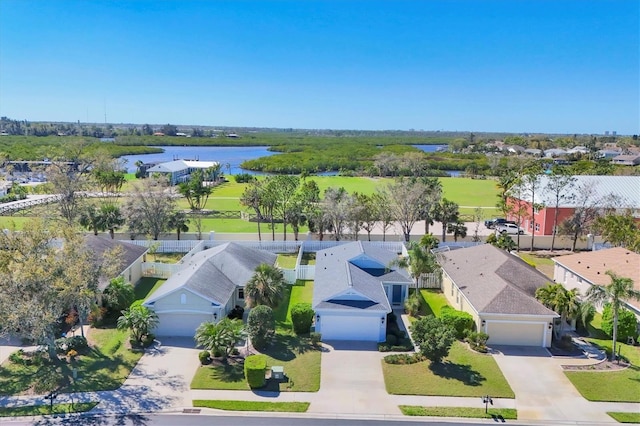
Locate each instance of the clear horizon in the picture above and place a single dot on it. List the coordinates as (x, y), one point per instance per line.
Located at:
(560, 67)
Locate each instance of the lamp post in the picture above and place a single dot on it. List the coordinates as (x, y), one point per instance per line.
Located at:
(486, 400)
(51, 396)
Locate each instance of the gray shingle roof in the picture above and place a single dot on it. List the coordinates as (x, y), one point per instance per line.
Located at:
(216, 273)
(100, 246)
(495, 281)
(335, 275)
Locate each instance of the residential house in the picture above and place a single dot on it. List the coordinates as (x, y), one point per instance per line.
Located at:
(498, 289)
(608, 154)
(626, 160)
(207, 288)
(586, 269)
(131, 257)
(533, 151)
(617, 192)
(554, 152)
(179, 171)
(355, 289)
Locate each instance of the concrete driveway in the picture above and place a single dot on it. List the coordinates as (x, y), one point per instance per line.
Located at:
(352, 381)
(8, 345)
(542, 390)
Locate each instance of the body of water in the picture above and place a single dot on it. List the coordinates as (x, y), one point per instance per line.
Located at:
(229, 156)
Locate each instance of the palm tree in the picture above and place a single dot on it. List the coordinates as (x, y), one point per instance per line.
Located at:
(110, 219)
(140, 320)
(179, 221)
(615, 293)
(562, 301)
(221, 337)
(446, 212)
(265, 287)
(420, 261)
(119, 294)
(90, 218)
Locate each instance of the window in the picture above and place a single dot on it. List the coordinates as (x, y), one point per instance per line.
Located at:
(241, 293)
(537, 227)
(183, 299)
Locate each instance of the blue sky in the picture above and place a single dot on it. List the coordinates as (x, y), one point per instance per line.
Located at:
(552, 66)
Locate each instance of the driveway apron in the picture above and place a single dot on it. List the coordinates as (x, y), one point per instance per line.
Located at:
(352, 381)
(542, 390)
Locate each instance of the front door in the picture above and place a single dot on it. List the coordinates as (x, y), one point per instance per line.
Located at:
(396, 296)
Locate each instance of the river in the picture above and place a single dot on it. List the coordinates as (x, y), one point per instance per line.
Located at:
(229, 156)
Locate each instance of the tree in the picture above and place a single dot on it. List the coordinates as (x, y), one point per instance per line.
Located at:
(110, 218)
(620, 230)
(302, 317)
(90, 218)
(434, 337)
(283, 189)
(406, 203)
(195, 191)
(221, 337)
(119, 294)
(150, 207)
(627, 323)
(458, 229)
(369, 217)
(179, 222)
(44, 272)
(615, 294)
(382, 206)
(505, 181)
(530, 182)
(433, 188)
(139, 320)
(261, 326)
(446, 212)
(265, 287)
(560, 188)
(560, 300)
(420, 261)
(252, 197)
(335, 209)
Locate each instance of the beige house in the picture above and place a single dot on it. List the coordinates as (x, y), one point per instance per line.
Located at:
(582, 270)
(131, 256)
(498, 290)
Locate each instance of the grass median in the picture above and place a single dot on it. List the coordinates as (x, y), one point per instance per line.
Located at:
(478, 413)
(43, 410)
(227, 405)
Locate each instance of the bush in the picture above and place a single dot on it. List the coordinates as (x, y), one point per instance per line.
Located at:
(462, 322)
(244, 178)
(627, 323)
(261, 326)
(412, 305)
(76, 343)
(403, 359)
(403, 345)
(302, 317)
(204, 357)
(316, 338)
(148, 339)
(434, 336)
(391, 339)
(17, 357)
(236, 313)
(255, 367)
(477, 340)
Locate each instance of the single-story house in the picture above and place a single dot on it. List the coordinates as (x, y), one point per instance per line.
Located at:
(626, 160)
(583, 270)
(619, 192)
(179, 171)
(554, 152)
(498, 289)
(209, 285)
(355, 288)
(132, 256)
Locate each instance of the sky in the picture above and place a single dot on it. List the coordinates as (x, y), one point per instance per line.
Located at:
(540, 66)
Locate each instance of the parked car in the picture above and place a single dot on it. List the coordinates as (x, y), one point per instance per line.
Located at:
(492, 223)
(509, 228)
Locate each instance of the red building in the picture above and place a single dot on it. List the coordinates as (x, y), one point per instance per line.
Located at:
(600, 192)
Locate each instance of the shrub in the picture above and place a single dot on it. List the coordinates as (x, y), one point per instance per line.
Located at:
(77, 343)
(403, 359)
(236, 313)
(391, 339)
(255, 367)
(627, 323)
(316, 338)
(462, 322)
(217, 353)
(434, 336)
(148, 339)
(204, 357)
(244, 178)
(403, 345)
(477, 340)
(412, 305)
(302, 317)
(17, 357)
(261, 326)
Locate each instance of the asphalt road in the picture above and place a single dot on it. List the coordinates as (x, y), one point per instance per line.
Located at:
(201, 420)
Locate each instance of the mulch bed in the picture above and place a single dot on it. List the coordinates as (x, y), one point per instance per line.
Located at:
(601, 366)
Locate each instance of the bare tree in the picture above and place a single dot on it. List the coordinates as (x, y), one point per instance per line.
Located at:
(150, 207)
(406, 202)
(335, 208)
(560, 187)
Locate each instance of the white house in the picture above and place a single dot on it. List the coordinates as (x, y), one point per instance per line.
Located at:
(206, 288)
(180, 170)
(498, 290)
(583, 270)
(355, 290)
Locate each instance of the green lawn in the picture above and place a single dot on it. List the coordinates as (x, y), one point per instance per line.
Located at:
(622, 385)
(281, 407)
(105, 367)
(146, 287)
(43, 410)
(463, 373)
(625, 417)
(287, 261)
(478, 413)
(434, 300)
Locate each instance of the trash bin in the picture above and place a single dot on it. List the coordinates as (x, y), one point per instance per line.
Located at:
(277, 372)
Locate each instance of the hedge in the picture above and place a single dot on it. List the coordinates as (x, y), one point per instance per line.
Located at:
(255, 367)
(461, 321)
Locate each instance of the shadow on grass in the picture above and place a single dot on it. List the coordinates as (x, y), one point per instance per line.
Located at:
(230, 373)
(460, 372)
(286, 347)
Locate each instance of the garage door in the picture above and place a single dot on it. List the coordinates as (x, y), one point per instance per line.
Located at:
(180, 324)
(336, 327)
(515, 333)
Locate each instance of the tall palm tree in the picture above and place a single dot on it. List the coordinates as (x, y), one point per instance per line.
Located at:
(111, 218)
(140, 320)
(179, 221)
(614, 293)
(420, 261)
(446, 212)
(562, 301)
(265, 287)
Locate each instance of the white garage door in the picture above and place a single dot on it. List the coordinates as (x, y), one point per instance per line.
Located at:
(336, 327)
(515, 333)
(180, 324)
